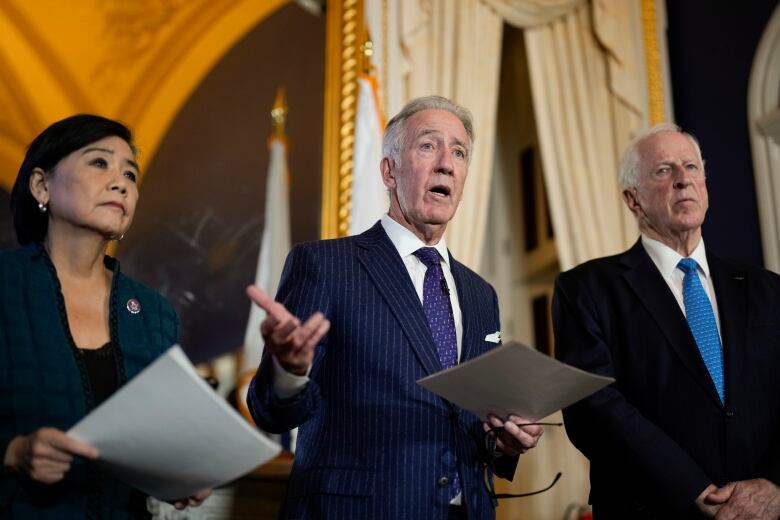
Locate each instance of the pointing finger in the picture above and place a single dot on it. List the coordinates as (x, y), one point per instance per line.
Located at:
(268, 304)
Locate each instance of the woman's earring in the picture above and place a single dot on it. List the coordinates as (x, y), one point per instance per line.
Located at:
(42, 207)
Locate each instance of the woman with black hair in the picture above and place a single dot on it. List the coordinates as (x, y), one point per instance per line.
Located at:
(73, 328)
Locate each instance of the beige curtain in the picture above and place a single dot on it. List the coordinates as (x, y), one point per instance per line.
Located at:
(529, 13)
(582, 120)
(588, 96)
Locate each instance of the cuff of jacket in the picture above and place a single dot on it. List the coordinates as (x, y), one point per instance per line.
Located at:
(276, 415)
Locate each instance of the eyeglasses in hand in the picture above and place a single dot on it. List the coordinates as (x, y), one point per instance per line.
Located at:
(490, 448)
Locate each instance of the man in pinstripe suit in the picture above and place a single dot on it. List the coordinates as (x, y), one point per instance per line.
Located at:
(372, 443)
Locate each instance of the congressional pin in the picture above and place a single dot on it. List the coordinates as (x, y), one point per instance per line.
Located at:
(134, 306)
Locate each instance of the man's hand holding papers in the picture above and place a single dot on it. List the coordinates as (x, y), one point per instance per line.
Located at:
(515, 435)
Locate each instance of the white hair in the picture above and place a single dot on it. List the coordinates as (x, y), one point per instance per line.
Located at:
(630, 163)
(395, 131)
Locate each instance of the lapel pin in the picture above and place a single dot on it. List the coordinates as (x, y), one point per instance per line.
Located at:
(134, 306)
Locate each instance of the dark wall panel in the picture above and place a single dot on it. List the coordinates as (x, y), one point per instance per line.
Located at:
(198, 227)
(711, 48)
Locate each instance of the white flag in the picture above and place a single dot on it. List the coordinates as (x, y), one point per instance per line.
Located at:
(369, 195)
(274, 247)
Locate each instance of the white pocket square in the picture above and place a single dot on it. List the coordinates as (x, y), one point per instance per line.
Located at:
(494, 338)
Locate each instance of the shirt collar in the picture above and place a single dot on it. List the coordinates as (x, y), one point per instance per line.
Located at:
(406, 242)
(666, 259)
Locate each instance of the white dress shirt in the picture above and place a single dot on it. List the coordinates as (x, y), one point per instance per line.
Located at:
(666, 259)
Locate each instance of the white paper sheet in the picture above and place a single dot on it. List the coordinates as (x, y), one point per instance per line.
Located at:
(167, 433)
(513, 379)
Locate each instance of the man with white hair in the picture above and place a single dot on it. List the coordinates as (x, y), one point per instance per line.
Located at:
(691, 427)
(372, 443)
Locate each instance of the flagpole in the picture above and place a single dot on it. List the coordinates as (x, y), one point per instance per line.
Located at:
(274, 246)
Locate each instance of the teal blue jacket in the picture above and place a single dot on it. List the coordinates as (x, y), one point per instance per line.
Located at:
(43, 382)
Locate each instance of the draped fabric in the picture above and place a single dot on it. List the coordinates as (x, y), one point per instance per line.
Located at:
(589, 98)
(530, 13)
(274, 246)
(369, 195)
(574, 109)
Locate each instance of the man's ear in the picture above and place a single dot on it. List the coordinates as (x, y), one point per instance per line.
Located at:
(38, 186)
(632, 202)
(388, 175)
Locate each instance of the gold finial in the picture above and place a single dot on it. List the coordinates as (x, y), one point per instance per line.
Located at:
(279, 112)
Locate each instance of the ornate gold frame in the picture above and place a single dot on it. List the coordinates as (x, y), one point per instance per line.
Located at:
(345, 27)
(656, 111)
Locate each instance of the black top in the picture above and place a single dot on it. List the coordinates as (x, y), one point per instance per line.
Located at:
(47, 383)
(101, 371)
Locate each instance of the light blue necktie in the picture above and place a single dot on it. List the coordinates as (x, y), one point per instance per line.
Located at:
(701, 320)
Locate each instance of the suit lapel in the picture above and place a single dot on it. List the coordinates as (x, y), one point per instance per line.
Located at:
(652, 290)
(731, 287)
(386, 269)
(466, 299)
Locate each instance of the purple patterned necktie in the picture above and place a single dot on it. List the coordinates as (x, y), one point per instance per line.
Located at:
(438, 311)
(437, 306)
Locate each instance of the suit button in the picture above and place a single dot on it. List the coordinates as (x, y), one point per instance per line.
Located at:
(729, 413)
(443, 481)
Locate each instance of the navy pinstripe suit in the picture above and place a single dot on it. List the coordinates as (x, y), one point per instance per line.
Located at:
(372, 443)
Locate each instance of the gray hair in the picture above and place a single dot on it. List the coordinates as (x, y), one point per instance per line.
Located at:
(631, 161)
(395, 132)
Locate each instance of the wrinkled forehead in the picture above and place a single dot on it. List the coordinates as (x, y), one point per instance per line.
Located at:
(437, 122)
(666, 147)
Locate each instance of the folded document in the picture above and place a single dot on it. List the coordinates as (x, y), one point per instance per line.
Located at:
(167, 433)
(513, 379)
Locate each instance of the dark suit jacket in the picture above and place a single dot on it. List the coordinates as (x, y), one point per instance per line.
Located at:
(372, 443)
(659, 435)
(43, 381)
